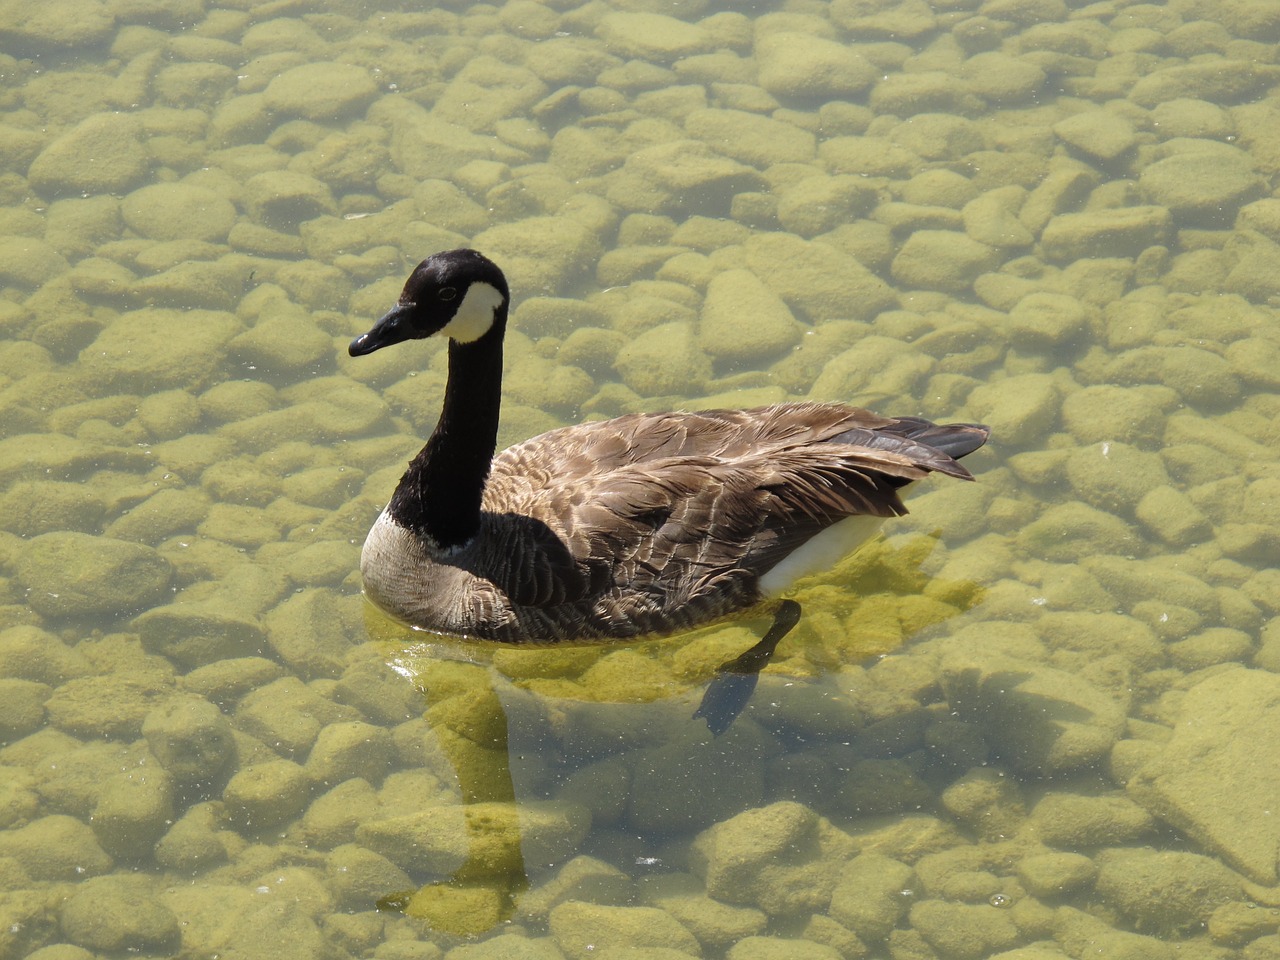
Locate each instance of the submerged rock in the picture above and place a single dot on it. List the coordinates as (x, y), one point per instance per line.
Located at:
(78, 575)
(1215, 779)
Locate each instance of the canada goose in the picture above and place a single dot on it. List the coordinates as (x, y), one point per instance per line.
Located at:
(641, 525)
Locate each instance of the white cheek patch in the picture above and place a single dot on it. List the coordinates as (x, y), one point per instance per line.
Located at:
(474, 316)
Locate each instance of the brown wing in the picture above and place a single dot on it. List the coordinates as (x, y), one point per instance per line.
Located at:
(662, 516)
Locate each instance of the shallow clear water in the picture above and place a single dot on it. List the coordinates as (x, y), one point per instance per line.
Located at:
(1037, 716)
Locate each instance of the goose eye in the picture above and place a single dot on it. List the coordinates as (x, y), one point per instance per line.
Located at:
(447, 293)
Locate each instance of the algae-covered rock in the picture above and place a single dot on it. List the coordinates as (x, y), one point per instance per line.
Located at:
(1105, 233)
(113, 140)
(360, 877)
(1165, 891)
(1109, 412)
(653, 37)
(1073, 821)
(743, 321)
(1099, 134)
(321, 91)
(483, 840)
(1219, 80)
(175, 211)
(751, 138)
(1040, 720)
(682, 174)
(783, 858)
(30, 508)
(199, 633)
(942, 260)
(1203, 187)
(664, 361)
(288, 714)
(964, 931)
(133, 810)
(801, 66)
(1044, 319)
(1020, 409)
(72, 575)
(120, 913)
(190, 738)
(541, 255)
(1213, 780)
(266, 795)
(160, 349)
(192, 844)
(1114, 476)
(872, 895)
(781, 948)
(581, 928)
(56, 847)
(282, 199)
(347, 750)
(822, 282)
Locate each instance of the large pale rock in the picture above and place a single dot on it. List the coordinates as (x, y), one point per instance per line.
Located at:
(743, 320)
(101, 154)
(77, 575)
(1217, 778)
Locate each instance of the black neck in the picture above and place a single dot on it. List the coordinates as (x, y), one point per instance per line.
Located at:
(439, 495)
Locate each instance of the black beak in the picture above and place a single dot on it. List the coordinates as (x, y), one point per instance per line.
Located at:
(394, 327)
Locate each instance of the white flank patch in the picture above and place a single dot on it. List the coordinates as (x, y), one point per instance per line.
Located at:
(820, 553)
(474, 316)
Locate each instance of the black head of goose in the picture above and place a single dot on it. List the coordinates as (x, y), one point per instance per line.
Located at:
(642, 525)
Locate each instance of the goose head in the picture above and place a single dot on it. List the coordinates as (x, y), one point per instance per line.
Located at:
(458, 293)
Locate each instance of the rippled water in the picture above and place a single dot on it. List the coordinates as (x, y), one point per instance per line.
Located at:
(1037, 717)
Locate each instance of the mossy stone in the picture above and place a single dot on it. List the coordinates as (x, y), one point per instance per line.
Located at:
(114, 140)
(580, 928)
(805, 67)
(266, 795)
(56, 847)
(321, 91)
(1114, 476)
(942, 260)
(1107, 412)
(742, 320)
(71, 575)
(1166, 891)
(173, 211)
(664, 361)
(190, 737)
(119, 913)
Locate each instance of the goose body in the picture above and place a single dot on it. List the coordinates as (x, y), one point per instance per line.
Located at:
(645, 524)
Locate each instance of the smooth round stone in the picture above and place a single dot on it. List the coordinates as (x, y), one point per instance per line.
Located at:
(653, 37)
(1003, 79)
(942, 260)
(321, 91)
(114, 140)
(59, 24)
(733, 295)
(1165, 890)
(70, 574)
(29, 262)
(1108, 412)
(664, 361)
(800, 66)
(119, 913)
(1203, 187)
(139, 353)
(1100, 134)
(57, 847)
(265, 795)
(174, 211)
(1188, 117)
(190, 737)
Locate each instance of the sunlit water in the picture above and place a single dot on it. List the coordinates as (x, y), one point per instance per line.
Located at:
(1039, 716)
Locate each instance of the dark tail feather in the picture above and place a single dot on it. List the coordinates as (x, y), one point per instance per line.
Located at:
(956, 440)
(934, 446)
